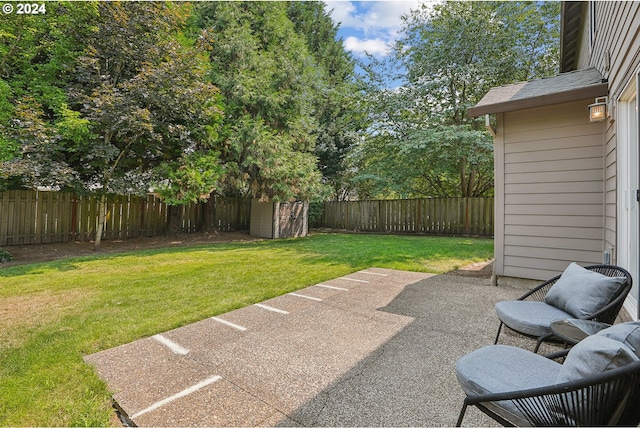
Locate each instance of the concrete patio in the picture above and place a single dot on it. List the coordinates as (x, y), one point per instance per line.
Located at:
(374, 348)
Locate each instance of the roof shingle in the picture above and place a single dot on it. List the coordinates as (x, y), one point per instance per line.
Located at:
(564, 87)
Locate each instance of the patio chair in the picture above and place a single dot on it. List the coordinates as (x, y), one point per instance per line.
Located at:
(598, 384)
(594, 292)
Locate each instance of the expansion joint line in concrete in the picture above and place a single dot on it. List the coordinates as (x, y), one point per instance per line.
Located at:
(229, 323)
(373, 273)
(305, 297)
(354, 280)
(175, 348)
(332, 287)
(271, 308)
(179, 395)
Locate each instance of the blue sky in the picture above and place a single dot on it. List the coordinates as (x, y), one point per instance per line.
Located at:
(369, 25)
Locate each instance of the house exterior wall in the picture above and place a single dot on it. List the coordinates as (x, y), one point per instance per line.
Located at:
(616, 43)
(615, 52)
(584, 52)
(550, 175)
(610, 189)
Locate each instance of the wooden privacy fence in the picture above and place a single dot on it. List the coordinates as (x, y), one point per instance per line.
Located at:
(449, 216)
(32, 217)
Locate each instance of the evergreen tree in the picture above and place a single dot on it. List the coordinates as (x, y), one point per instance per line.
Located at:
(337, 100)
(267, 80)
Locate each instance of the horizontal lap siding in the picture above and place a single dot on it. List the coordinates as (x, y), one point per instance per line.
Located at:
(616, 52)
(553, 190)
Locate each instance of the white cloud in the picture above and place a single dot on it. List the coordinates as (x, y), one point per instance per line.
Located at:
(370, 16)
(342, 12)
(370, 25)
(375, 47)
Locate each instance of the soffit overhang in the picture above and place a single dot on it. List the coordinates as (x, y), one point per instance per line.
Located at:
(571, 13)
(565, 87)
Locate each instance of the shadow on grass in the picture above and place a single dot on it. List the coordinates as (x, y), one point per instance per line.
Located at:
(353, 251)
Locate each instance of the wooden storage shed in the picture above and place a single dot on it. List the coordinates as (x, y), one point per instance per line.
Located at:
(270, 219)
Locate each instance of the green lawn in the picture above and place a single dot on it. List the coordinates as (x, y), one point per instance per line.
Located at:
(52, 314)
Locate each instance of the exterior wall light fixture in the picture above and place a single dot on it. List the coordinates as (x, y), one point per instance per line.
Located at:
(598, 110)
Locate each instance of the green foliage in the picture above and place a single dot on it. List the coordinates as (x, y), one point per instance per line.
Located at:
(442, 160)
(456, 51)
(120, 96)
(337, 97)
(195, 179)
(37, 55)
(5, 256)
(422, 142)
(42, 161)
(145, 96)
(266, 77)
(315, 211)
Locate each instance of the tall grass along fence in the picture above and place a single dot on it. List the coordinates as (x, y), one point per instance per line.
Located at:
(32, 217)
(447, 216)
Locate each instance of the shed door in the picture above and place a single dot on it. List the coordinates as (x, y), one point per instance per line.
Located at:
(292, 220)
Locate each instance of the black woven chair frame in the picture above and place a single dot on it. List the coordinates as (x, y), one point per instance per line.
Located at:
(607, 314)
(607, 399)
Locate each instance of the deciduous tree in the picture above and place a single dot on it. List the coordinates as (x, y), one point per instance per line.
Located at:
(136, 111)
(37, 56)
(452, 54)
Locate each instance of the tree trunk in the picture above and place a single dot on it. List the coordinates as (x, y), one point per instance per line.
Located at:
(463, 178)
(209, 217)
(102, 218)
(174, 220)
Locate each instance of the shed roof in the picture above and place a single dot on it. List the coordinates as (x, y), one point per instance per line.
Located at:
(572, 86)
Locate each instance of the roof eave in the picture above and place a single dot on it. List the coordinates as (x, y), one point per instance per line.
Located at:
(590, 91)
(571, 13)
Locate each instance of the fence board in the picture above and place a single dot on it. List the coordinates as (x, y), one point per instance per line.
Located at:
(451, 216)
(33, 217)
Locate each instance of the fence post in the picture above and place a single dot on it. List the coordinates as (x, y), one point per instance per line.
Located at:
(346, 215)
(74, 217)
(467, 219)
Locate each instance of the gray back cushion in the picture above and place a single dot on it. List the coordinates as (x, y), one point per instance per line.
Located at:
(581, 292)
(595, 354)
(627, 333)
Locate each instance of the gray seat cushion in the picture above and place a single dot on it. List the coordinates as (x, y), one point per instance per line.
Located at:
(500, 368)
(532, 318)
(582, 292)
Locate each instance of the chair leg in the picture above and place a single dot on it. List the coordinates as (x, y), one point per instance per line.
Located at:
(540, 340)
(498, 335)
(461, 416)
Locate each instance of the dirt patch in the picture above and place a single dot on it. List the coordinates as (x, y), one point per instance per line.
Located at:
(34, 253)
(32, 310)
(475, 270)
